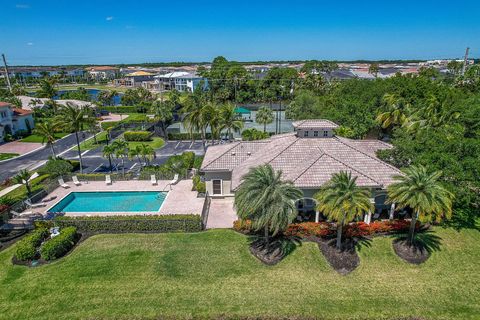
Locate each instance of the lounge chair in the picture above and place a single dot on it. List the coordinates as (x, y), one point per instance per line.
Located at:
(21, 214)
(153, 179)
(63, 184)
(29, 203)
(75, 180)
(175, 180)
(108, 180)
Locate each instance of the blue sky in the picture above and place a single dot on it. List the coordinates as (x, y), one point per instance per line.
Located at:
(51, 32)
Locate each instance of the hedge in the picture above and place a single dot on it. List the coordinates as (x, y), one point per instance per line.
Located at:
(58, 246)
(153, 223)
(120, 109)
(137, 136)
(187, 136)
(26, 248)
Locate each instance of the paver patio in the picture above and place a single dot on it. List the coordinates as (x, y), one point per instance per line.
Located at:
(222, 214)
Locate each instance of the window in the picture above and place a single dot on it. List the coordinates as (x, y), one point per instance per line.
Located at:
(217, 186)
(305, 133)
(325, 133)
(315, 133)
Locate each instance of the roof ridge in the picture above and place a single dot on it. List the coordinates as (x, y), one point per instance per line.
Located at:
(366, 154)
(353, 168)
(308, 167)
(235, 144)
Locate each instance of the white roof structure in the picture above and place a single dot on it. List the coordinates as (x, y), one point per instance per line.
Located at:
(177, 74)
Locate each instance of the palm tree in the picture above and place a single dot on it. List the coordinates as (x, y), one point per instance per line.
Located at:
(22, 177)
(264, 116)
(135, 153)
(195, 119)
(47, 88)
(73, 119)
(146, 152)
(423, 193)
(340, 199)
(120, 148)
(229, 119)
(108, 152)
(163, 113)
(46, 130)
(267, 200)
(397, 113)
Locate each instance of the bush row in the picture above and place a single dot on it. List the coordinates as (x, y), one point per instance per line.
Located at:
(59, 245)
(120, 109)
(26, 248)
(325, 229)
(154, 223)
(137, 136)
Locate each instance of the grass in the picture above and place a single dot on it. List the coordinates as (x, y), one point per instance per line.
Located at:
(90, 143)
(155, 143)
(21, 192)
(5, 156)
(212, 274)
(39, 139)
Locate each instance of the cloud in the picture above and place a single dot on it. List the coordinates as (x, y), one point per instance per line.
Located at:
(109, 18)
(22, 6)
(29, 43)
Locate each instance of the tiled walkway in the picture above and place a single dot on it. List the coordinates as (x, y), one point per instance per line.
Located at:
(222, 213)
(19, 147)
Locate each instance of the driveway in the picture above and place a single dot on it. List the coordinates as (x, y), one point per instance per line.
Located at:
(19, 147)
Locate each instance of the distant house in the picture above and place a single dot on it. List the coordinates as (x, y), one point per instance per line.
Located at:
(180, 81)
(102, 72)
(308, 158)
(14, 120)
(40, 72)
(134, 79)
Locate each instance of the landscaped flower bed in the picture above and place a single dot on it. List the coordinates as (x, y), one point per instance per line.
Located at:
(326, 229)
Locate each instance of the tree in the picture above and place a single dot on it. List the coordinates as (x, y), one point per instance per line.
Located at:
(120, 148)
(341, 200)
(106, 97)
(397, 113)
(108, 152)
(264, 116)
(23, 177)
(229, 119)
(73, 119)
(373, 69)
(423, 193)
(267, 200)
(47, 88)
(195, 115)
(46, 129)
(163, 113)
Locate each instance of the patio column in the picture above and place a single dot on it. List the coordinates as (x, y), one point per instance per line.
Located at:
(317, 216)
(392, 210)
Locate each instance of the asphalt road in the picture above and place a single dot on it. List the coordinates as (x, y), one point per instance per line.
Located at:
(33, 160)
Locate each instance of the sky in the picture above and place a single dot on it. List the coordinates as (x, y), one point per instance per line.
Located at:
(48, 32)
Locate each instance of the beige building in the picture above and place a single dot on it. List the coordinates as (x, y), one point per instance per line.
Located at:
(308, 157)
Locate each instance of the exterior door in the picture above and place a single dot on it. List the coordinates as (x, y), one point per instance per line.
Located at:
(217, 186)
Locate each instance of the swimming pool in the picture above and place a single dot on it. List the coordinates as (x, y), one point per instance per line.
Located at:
(118, 201)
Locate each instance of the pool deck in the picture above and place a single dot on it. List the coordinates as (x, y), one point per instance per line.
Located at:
(180, 198)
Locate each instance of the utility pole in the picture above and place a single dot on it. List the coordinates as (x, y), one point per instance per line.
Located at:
(465, 61)
(6, 72)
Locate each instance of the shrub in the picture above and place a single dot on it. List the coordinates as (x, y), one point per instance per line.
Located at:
(198, 184)
(361, 229)
(109, 124)
(137, 136)
(27, 247)
(309, 229)
(254, 134)
(58, 246)
(154, 223)
(57, 167)
(243, 226)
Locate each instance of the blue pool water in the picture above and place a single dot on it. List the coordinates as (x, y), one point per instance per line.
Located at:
(125, 201)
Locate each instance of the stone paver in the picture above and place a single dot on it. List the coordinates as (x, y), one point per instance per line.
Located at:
(114, 117)
(222, 214)
(180, 199)
(19, 147)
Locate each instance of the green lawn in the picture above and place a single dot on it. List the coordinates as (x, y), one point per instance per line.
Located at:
(90, 143)
(5, 156)
(212, 274)
(37, 138)
(155, 143)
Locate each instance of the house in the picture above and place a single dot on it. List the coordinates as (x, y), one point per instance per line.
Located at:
(14, 120)
(180, 81)
(134, 79)
(102, 72)
(40, 72)
(308, 157)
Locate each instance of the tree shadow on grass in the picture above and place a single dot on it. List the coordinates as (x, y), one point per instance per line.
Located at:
(275, 250)
(425, 243)
(362, 242)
